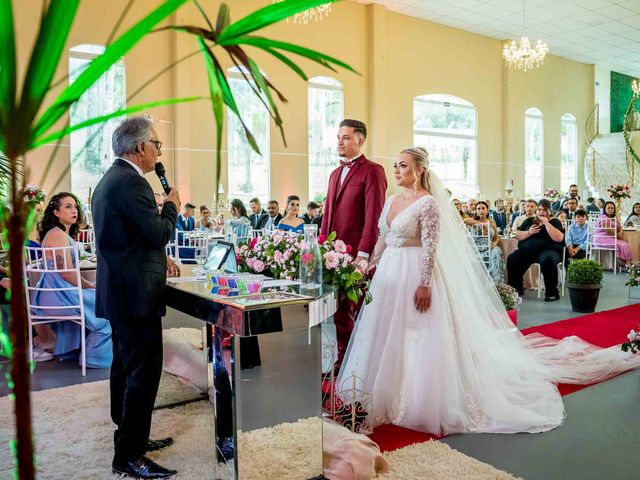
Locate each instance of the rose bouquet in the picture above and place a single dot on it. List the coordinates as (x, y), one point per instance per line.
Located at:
(633, 344)
(617, 192)
(552, 194)
(279, 256)
(634, 276)
(33, 192)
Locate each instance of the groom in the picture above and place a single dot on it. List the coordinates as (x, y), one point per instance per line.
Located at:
(352, 209)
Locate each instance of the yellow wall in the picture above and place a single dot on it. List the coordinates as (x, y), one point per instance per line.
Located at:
(398, 58)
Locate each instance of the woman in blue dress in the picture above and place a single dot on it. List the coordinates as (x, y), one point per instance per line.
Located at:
(292, 222)
(59, 225)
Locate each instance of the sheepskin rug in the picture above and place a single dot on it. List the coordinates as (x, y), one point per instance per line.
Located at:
(74, 440)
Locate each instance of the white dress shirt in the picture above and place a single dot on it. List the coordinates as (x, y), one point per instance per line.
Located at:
(138, 169)
(345, 170)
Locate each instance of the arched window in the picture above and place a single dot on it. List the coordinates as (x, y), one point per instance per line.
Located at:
(533, 152)
(568, 151)
(248, 172)
(91, 153)
(447, 127)
(326, 110)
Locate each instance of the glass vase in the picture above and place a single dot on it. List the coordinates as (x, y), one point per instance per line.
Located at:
(311, 259)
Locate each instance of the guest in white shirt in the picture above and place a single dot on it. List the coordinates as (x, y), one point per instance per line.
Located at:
(634, 218)
(530, 211)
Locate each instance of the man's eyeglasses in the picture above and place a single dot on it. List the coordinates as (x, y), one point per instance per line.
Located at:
(157, 143)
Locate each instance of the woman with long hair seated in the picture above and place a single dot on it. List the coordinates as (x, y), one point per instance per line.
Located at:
(608, 230)
(496, 259)
(205, 222)
(634, 219)
(292, 222)
(59, 228)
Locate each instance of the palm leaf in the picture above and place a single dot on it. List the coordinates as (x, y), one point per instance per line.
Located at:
(7, 64)
(102, 63)
(266, 43)
(287, 61)
(118, 113)
(266, 16)
(217, 105)
(47, 51)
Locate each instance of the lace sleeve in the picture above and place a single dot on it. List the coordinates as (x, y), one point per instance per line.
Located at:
(429, 234)
(382, 230)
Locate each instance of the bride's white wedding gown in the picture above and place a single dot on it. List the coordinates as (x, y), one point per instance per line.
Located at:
(461, 366)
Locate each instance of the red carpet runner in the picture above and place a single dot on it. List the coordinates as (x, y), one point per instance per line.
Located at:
(603, 329)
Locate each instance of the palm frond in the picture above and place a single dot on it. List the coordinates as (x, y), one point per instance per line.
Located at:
(7, 64)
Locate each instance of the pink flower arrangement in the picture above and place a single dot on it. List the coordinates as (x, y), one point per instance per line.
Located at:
(552, 194)
(279, 255)
(33, 192)
(617, 192)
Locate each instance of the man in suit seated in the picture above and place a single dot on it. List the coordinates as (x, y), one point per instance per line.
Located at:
(186, 220)
(312, 212)
(499, 215)
(570, 206)
(257, 210)
(270, 220)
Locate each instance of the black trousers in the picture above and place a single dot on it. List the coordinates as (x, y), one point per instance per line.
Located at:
(520, 261)
(578, 256)
(135, 376)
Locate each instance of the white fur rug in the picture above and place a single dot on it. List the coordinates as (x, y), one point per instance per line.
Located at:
(74, 440)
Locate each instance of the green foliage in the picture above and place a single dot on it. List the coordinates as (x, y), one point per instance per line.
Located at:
(584, 272)
(621, 95)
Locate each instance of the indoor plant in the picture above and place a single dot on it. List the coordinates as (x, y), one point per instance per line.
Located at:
(584, 280)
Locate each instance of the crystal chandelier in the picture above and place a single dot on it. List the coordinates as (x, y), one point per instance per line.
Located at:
(314, 14)
(523, 56)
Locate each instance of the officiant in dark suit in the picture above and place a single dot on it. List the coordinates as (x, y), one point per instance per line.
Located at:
(131, 276)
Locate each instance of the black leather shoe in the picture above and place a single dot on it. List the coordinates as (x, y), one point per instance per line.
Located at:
(552, 298)
(153, 445)
(142, 468)
(225, 449)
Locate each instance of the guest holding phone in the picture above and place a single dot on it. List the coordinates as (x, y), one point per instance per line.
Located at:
(540, 240)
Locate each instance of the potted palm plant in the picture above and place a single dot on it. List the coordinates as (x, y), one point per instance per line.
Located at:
(584, 280)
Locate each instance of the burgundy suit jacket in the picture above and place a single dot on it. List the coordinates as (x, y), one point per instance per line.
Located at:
(352, 209)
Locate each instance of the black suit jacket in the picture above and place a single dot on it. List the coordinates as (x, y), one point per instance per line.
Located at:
(262, 222)
(130, 241)
(254, 218)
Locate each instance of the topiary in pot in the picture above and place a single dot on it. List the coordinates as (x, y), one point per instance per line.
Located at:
(584, 280)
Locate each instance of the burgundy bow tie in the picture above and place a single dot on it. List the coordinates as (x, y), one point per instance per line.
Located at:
(348, 164)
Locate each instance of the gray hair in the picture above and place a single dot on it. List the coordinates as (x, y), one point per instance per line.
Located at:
(130, 133)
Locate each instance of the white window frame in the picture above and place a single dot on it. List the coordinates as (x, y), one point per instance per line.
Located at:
(534, 113)
(569, 119)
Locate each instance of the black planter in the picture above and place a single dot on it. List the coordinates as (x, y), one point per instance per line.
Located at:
(584, 297)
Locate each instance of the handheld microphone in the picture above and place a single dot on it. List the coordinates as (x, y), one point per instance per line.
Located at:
(163, 180)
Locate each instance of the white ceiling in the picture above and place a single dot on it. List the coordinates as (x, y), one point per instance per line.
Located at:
(604, 32)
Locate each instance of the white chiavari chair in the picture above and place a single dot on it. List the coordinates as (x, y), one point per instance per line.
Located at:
(39, 261)
(603, 236)
(88, 238)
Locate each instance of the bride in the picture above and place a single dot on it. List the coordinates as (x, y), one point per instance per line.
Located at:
(436, 347)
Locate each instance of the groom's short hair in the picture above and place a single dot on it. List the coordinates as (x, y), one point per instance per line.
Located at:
(357, 125)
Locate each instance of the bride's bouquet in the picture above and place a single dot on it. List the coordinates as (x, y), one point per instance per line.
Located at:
(278, 255)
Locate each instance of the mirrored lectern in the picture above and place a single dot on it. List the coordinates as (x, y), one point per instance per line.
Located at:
(265, 354)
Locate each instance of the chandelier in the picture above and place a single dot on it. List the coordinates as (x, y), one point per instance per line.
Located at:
(523, 56)
(314, 14)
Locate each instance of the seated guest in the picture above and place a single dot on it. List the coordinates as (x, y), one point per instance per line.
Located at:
(239, 222)
(257, 210)
(205, 222)
(185, 220)
(606, 237)
(562, 216)
(58, 228)
(529, 212)
(576, 237)
(600, 205)
(272, 218)
(496, 260)
(540, 240)
(498, 215)
(291, 222)
(572, 193)
(521, 211)
(312, 212)
(471, 207)
(591, 206)
(570, 206)
(634, 218)
(458, 204)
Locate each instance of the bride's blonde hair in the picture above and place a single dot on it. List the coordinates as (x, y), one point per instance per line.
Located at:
(420, 158)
